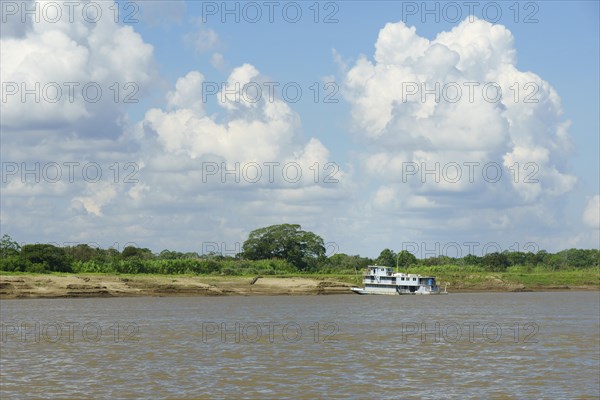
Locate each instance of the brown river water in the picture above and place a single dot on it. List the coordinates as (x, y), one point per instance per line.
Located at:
(470, 345)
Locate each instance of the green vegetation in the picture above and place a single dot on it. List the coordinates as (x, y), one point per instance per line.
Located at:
(304, 250)
(287, 250)
(477, 277)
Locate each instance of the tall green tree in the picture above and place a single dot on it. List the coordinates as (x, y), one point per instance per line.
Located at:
(496, 262)
(387, 258)
(81, 252)
(10, 259)
(286, 241)
(406, 259)
(8, 247)
(349, 264)
(137, 252)
(47, 257)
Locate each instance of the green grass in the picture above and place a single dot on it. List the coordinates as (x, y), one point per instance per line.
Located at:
(530, 280)
(555, 278)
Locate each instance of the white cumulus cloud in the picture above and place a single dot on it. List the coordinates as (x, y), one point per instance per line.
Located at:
(458, 99)
(77, 73)
(591, 213)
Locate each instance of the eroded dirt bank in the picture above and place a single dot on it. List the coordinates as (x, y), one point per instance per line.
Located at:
(49, 286)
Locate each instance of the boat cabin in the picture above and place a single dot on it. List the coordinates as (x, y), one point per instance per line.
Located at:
(376, 273)
(379, 278)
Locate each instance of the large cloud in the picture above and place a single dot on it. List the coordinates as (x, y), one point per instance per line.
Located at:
(422, 103)
(67, 63)
(250, 131)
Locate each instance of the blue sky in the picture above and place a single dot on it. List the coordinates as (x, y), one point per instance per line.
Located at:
(367, 141)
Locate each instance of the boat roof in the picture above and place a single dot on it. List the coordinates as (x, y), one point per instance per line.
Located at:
(401, 273)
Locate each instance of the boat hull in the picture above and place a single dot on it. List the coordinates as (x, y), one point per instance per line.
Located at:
(363, 291)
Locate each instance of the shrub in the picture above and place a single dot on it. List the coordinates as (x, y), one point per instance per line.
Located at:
(37, 268)
(14, 264)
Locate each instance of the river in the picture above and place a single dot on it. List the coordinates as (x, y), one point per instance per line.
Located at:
(493, 345)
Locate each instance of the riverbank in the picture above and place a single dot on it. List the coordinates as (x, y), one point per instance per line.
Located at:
(100, 285)
(103, 285)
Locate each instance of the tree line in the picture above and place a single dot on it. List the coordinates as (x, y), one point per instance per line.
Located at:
(272, 250)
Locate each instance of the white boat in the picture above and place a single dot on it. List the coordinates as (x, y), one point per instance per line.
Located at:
(383, 280)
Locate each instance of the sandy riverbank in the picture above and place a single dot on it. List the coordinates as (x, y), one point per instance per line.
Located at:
(49, 286)
(53, 286)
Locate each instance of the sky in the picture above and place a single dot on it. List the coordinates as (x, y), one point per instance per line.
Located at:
(441, 128)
